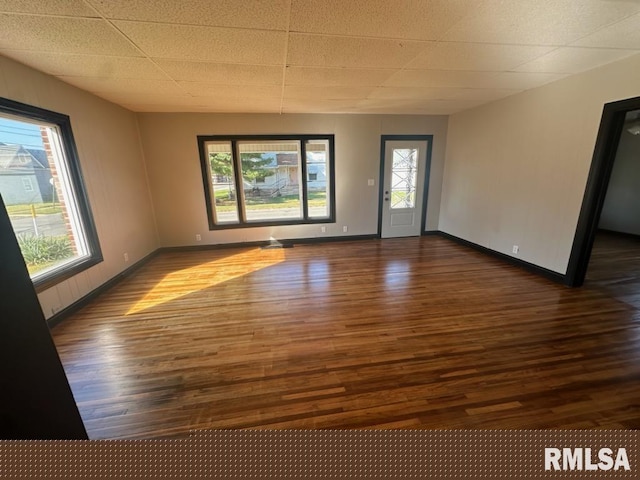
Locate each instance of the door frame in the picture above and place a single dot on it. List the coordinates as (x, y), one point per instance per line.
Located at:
(604, 155)
(425, 191)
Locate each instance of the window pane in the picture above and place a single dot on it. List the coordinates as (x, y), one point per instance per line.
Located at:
(403, 177)
(268, 183)
(317, 152)
(271, 180)
(36, 186)
(223, 189)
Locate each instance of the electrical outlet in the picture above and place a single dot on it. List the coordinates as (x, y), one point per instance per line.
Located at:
(198, 237)
(516, 249)
(323, 229)
(344, 229)
(126, 257)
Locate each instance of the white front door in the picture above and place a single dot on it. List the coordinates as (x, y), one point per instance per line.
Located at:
(403, 187)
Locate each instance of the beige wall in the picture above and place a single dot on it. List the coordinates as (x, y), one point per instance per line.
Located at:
(171, 151)
(516, 169)
(113, 168)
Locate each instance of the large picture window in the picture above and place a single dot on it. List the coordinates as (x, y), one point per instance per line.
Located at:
(42, 189)
(268, 180)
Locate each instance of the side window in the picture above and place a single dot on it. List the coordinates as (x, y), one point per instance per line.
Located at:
(42, 189)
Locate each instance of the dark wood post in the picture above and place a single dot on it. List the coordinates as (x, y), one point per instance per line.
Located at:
(35, 400)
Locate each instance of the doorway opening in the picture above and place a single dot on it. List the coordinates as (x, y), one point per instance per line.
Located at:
(621, 118)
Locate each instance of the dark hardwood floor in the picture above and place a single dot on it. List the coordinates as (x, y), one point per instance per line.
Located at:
(615, 266)
(399, 333)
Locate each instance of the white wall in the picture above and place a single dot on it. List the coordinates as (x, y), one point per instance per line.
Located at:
(173, 164)
(621, 210)
(113, 168)
(516, 169)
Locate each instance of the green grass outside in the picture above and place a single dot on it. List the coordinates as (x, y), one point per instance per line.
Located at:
(24, 210)
(315, 199)
(398, 197)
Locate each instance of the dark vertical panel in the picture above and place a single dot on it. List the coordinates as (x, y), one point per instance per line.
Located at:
(304, 179)
(241, 204)
(36, 401)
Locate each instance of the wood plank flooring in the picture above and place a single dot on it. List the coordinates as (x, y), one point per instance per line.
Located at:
(398, 333)
(615, 266)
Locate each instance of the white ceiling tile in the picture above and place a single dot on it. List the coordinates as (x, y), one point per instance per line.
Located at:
(261, 14)
(222, 73)
(297, 105)
(88, 65)
(624, 34)
(150, 98)
(574, 59)
(336, 77)
(124, 85)
(328, 93)
(213, 44)
(159, 107)
(439, 78)
(240, 104)
(409, 19)
(73, 8)
(475, 56)
(361, 56)
(430, 107)
(328, 51)
(539, 22)
(62, 35)
(462, 79)
(485, 94)
(204, 108)
(142, 98)
(129, 98)
(204, 89)
(415, 93)
(523, 80)
(154, 103)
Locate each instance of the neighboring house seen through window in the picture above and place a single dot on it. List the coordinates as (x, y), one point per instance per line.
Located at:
(42, 190)
(268, 180)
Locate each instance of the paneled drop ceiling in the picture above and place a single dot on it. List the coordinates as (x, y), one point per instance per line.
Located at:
(312, 56)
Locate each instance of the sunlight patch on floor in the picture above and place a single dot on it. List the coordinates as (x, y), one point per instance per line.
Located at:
(206, 275)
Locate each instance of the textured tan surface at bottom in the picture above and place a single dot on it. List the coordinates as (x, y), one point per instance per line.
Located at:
(331, 454)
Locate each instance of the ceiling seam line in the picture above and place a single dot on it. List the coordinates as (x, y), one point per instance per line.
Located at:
(602, 28)
(286, 57)
(138, 48)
